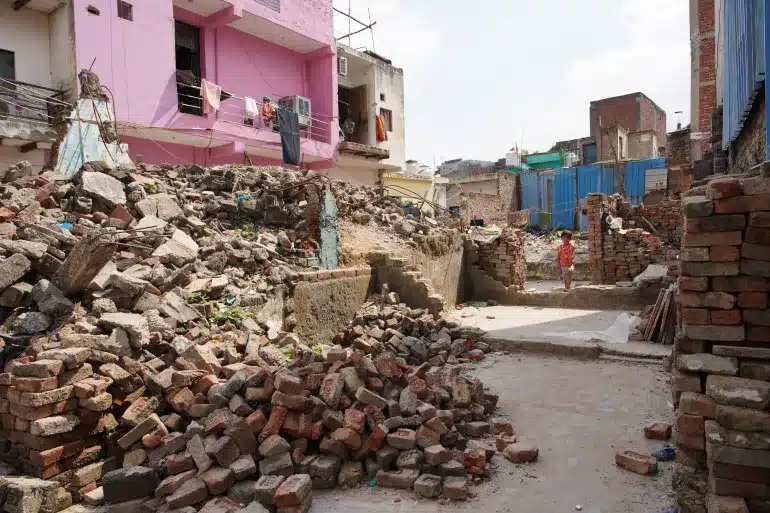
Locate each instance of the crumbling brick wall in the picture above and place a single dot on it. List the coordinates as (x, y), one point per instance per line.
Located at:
(503, 259)
(665, 217)
(492, 208)
(748, 150)
(621, 255)
(722, 352)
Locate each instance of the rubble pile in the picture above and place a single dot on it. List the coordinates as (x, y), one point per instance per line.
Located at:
(504, 260)
(365, 205)
(173, 423)
(721, 382)
(145, 361)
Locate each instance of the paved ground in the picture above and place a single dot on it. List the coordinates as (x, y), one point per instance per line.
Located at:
(548, 285)
(549, 328)
(580, 413)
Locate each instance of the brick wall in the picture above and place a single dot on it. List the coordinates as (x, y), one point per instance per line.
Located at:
(665, 217)
(749, 149)
(621, 255)
(722, 352)
(703, 44)
(633, 112)
(493, 209)
(680, 158)
(503, 259)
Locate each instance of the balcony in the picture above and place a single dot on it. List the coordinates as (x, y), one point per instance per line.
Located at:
(232, 112)
(303, 27)
(27, 114)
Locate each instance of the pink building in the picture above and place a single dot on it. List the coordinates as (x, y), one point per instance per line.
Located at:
(251, 48)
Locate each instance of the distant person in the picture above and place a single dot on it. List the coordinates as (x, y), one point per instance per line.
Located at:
(567, 258)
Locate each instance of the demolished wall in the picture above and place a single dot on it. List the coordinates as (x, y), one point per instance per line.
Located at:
(503, 259)
(622, 254)
(721, 379)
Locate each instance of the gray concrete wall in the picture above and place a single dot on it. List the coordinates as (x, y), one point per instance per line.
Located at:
(324, 308)
(446, 273)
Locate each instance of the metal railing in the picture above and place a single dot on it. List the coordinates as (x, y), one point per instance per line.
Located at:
(21, 100)
(232, 110)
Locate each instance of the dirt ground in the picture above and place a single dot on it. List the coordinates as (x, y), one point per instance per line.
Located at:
(357, 241)
(580, 413)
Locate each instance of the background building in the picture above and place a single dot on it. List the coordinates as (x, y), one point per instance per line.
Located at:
(616, 122)
(151, 54)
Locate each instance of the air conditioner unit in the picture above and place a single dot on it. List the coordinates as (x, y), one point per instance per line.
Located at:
(342, 66)
(300, 105)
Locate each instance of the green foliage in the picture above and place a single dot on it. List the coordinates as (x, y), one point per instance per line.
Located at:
(231, 313)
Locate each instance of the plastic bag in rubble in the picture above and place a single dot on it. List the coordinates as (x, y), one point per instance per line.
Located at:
(615, 334)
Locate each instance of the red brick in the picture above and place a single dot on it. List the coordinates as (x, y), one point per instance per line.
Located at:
(700, 405)
(753, 300)
(742, 204)
(274, 423)
(740, 284)
(35, 384)
(690, 283)
(726, 317)
(724, 253)
(723, 188)
(636, 462)
(658, 431)
(758, 235)
(293, 491)
(695, 316)
(690, 424)
(692, 240)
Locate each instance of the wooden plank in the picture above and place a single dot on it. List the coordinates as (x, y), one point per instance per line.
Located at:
(653, 316)
(664, 316)
(659, 316)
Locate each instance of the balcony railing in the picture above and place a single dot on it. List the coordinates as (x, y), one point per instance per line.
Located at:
(20, 100)
(232, 110)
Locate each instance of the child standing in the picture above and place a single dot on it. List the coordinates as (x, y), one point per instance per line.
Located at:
(567, 258)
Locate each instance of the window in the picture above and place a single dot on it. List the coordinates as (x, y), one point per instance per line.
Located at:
(125, 10)
(188, 68)
(382, 97)
(388, 115)
(7, 65)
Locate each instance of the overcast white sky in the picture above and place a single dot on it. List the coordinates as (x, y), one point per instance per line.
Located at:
(479, 72)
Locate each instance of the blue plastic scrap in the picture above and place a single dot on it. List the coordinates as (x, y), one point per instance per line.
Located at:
(66, 226)
(242, 197)
(665, 454)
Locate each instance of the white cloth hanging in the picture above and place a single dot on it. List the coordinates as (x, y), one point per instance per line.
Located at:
(250, 107)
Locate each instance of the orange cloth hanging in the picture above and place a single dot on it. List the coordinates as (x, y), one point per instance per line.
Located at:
(382, 134)
(210, 94)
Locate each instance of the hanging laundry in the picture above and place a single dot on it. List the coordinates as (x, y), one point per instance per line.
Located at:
(250, 107)
(211, 94)
(288, 124)
(382, 134)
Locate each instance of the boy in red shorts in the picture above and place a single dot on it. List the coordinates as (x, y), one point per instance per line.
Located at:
(567, 258)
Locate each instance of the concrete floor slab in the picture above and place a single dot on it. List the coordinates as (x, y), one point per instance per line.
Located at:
(580, 413)
(529, 328)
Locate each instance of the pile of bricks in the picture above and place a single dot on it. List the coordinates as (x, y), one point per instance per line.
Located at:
(179, 425)
(721, 381)
(626, 253)
(621, 255)
(504, 260)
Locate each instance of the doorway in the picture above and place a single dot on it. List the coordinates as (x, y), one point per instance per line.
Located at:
(352, 105)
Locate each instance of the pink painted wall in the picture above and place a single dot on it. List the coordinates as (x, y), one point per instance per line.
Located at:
(136, 61)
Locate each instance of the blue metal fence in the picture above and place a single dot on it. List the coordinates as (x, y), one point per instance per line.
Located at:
(636, 172)
(745, 59)
(564, 198)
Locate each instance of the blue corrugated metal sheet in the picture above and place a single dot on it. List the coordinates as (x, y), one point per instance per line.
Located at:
(593, 179)
(564, 198)
(634, 177)
(745, 61)
(530, 195)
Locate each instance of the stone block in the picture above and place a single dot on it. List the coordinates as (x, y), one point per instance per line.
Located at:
(734, 391)
(126, 484)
